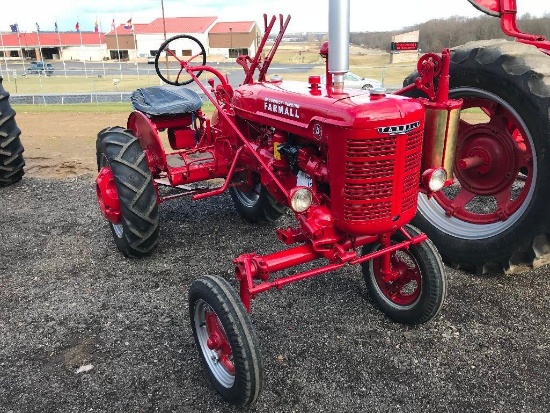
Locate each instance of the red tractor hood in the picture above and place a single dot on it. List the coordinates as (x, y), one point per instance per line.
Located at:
(294, 108)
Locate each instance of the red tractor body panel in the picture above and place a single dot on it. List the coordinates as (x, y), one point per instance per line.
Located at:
(374, 144)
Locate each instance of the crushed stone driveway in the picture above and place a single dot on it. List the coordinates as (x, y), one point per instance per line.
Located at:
(83, 329)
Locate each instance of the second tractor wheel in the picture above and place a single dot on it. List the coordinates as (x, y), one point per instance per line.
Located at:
(11, 149)
(255, 204)
(494, 217)
(226, 340)
(126, 192)
(414, 291)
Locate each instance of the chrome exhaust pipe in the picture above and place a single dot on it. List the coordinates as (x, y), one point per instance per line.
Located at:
(338, 40)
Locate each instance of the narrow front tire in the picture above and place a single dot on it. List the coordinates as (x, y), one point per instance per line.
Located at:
(226, 340)
(415, 291)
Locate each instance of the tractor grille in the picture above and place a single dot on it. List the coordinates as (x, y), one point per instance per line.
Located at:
(374, 189)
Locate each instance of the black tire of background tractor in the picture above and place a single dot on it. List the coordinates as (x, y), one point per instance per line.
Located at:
(425, 259)
(138, 233)
(11, 149)
(519, 75)
(257, 207)
(214, 293)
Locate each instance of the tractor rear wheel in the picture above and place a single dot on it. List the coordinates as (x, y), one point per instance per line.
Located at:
(494, 218)
(121, 159)
(226, 340)
(256, 204)
(11, 149)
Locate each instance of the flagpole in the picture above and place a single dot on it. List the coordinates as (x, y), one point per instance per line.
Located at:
(81, 47)
(135, 45)
(100, 48)
(4, 53)
(117, 46)
(61, 49)
(40, 46)
(21, 54)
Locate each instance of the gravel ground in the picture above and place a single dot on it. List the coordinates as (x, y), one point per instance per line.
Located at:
(68, 299)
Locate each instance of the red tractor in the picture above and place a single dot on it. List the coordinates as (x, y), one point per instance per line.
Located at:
(494, 217)
(348, 163)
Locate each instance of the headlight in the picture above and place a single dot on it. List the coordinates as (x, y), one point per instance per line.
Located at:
(300, 199)
(434, 179)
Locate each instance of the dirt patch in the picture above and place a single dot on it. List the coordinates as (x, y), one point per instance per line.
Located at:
(61, 145)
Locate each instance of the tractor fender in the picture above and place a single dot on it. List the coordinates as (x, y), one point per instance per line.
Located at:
(147, 135)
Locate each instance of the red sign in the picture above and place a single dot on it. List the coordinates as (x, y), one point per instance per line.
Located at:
(404, 46)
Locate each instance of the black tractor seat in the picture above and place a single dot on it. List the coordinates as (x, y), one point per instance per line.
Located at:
(165, 100)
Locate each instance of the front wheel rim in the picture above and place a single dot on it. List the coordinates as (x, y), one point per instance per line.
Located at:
(214, 344)
(455, 210)
(405, 284)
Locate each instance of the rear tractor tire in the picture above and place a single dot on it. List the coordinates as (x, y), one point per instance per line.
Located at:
(494, 218)
(122, 161)
(11, 149)
(255, 204)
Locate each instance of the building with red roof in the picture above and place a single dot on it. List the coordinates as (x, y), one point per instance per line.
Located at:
(53, 45)
(231, 39)
(130, 41)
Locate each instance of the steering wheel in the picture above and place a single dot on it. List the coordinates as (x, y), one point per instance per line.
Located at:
(173, 60)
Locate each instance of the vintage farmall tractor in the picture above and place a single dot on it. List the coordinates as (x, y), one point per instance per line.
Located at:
(349, 164)
(495, 216)
(11, 149)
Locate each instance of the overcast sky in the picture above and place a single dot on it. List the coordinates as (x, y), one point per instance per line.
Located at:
(307, 15)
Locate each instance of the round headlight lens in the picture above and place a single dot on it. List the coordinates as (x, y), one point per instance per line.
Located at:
(436, 179)
(301, 200)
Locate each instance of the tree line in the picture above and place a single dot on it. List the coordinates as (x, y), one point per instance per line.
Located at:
(438, 34)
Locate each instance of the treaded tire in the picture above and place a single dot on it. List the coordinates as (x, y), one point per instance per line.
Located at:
(518, 76)
(214, 295)
(118, 149)
(429, 295)
(257, 206)
(11, 149)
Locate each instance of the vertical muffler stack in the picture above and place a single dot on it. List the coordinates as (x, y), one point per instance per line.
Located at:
(338, 40)
(441, 126)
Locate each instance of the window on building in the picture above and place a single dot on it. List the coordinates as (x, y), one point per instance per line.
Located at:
(187, 52)
(237, 52)
(122, 54)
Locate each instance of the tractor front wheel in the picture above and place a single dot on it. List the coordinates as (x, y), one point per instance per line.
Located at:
(414, 290)
(11, 149)
(226, 340)
(126, 192)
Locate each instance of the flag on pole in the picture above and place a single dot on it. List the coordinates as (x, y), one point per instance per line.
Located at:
(37, 27)
(14, 28)
(128, 24)
(56, 29)
(96, 26)
(113, 25)
(77, 27)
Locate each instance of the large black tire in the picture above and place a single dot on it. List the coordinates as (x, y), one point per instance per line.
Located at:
(138, 233)
(226, 340)
(11, 149)
(512, 78)
(418, 292)
(256, 205)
